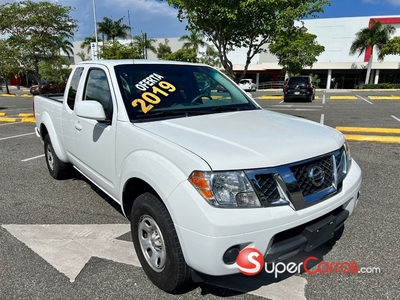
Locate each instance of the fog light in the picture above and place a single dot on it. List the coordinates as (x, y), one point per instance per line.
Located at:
(230, 255)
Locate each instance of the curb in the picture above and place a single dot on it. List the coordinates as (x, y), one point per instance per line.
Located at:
(384, 97)
(22, 118)
(393, 139)
(16, 95)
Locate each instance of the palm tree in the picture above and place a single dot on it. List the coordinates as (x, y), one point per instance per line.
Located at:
(64, 45)
(375, 36)
(87, 43)
(113, 29)
(144, 43)
(194, 40)
(211, 57)
(163, 50)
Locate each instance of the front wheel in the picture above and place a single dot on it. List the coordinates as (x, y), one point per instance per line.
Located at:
(157, 244)
(56, 167)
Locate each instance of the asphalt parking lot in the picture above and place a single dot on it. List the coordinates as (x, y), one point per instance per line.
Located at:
(74, 215)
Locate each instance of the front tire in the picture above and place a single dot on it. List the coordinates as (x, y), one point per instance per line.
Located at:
(56, 167)
(157, 244)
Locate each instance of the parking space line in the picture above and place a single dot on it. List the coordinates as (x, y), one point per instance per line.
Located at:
(322, 119)
(6, 124)
(364, 99)
(31, 158)
(397, 119)
(16, 136)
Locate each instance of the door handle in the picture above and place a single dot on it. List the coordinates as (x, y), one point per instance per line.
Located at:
(78, 126)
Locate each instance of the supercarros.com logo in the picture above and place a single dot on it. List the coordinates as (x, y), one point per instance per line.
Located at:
(250, 262)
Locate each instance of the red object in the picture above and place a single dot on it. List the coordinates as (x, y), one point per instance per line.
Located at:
(383, 21)
(250, 261)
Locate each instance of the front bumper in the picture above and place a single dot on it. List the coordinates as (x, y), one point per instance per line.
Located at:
(206, 233)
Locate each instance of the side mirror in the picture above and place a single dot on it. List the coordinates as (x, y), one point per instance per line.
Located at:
(90, 109)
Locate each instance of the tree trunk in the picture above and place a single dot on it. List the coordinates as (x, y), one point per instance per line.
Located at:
(369, 66)
(7, 89)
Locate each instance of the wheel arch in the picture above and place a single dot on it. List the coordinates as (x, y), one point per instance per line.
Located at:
(132, 189)
(47, 127)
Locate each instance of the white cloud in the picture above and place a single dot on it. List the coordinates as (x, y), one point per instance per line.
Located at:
(391, 2)
(151, 7)
(394, 2)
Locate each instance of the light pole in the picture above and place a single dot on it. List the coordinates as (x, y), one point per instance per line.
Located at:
(96, 48)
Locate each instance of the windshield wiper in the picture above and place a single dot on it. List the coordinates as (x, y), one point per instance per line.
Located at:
(162, 114)
(192, 112)
(228, 108)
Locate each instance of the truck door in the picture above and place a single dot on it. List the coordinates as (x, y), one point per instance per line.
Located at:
(94, 151)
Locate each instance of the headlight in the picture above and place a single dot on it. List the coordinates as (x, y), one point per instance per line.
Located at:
(225, 189)
(348, 157)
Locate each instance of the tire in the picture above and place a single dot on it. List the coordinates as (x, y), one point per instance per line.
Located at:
(169, 270)
(56, 167)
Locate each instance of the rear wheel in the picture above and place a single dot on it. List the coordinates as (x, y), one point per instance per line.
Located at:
(157, 244)
(56, 167)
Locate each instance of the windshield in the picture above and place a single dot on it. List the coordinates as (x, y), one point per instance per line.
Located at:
(159, 91)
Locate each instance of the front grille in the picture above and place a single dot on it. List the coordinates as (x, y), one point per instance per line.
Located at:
(267, 187)
(303, 183)
(302, 171)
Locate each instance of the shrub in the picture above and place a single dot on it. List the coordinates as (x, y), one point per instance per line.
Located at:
(384, 85)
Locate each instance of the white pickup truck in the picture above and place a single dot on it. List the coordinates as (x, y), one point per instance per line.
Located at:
(201, 173)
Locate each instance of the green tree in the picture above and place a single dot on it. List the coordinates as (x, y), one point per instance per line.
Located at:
(56, 71)
(183, 55)
(211, 57)
(144, 43)
(296, 49)
(116, 50)
(64, 45)
(87, 43)
(83, 56)
(373, 37)
(247, 24)
(391, 47)
(194, 40)
(113, 29)
(9, 62)
(32, 29)
(315, 79)
(163, 49)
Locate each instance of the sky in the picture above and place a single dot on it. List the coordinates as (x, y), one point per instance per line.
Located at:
(159, 20)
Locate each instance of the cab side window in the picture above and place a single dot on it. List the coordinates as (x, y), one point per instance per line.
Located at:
(97, 89)
(74, 87)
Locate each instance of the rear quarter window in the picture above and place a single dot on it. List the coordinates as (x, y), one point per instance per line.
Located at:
(74, 87)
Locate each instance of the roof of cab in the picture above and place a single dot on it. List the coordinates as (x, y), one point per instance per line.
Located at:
(116, 62)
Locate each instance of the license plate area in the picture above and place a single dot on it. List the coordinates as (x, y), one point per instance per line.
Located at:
(319, 233)
(297, 93)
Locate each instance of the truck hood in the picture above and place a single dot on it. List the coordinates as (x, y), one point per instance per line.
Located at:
(248, 139)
